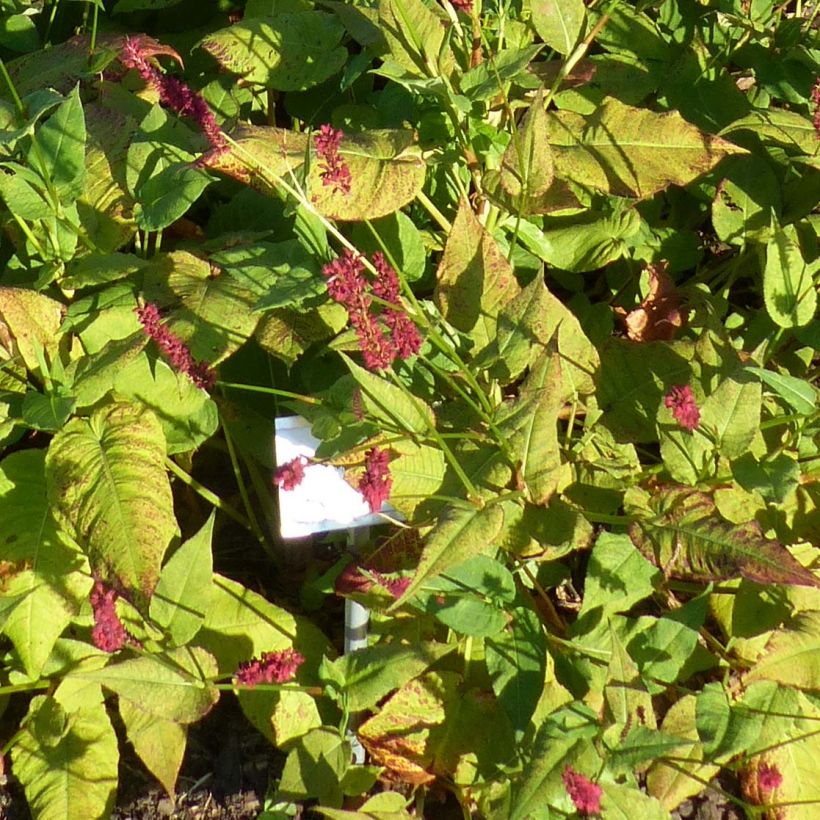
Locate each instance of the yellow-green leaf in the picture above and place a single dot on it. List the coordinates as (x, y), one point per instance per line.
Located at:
(558, 22)
(789, 291)
(630, 151)
(108, 485)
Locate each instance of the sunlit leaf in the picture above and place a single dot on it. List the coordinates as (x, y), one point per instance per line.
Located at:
(67, 763)
(688, 539)
(632, 151)
(108, 485)
(788, 287)
(558, 22)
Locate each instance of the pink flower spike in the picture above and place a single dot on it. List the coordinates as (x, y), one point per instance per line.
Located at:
(376, 482)
(769, 777)
(463, 5)
(681, 401)
(270, 667)
(815, 98)
(174, 349)
(333, 169)
(289, 475)
(585, 794)
(108, 632)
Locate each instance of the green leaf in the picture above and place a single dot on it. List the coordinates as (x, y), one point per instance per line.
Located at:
(481, 81)
(385, 402)
(240, 624)
(688, 539)
(415, 37)
(46, 570)
(59, 155)
(626, 696)
(674, 784)
(22, 198)
(212, 312)
(623, 802)
(630, 151)
(183, 594)
(280, 716)
(387, 168)
(402, 239)
(160, 173)
(565, 736)
(108, 484)
(732, 413)
(176, 687)
(159, 743)
(526, 324)
(474, 280)
(101, 269)
(517, 663)
(665, 645)
(774, 478)
(530, 425)
(618, 576)
(417, 472)
(67, 763)
(188, 415)
(526, 167)
(792, 655)
(459, 534)
(291, 51)
(33, 322)
(725, 729)
(315, 767)
(788, 290)
(797, 393)
(369, 674)
(47, 412)
(558, 22)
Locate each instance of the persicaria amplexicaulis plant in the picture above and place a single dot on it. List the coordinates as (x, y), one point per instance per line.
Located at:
(376, 481)
(108, 632)
(137, 53)
(384, 334)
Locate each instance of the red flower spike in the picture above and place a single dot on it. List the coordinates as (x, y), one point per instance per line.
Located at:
(382, 336)
(270, 667)
(815, 98)
(681, 401)
(333, 169)
(463, 5)
(376, 482)
(108, 632)
(289, 475)
(585, 794)
(769, 777)
(136, 53)
(174, 349)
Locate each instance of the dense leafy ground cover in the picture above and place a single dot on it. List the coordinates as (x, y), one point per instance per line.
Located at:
(541, 274)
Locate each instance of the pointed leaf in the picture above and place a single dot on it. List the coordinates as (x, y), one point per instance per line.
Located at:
(371, 673)
(44, 573)
(415, 36)
(386, 168)
(688, 539)
(241, 624)
(108, 484)
(530, 425)
(792, 655)
(290, 51)
(558, 22)
(626, 696)
(474, 279)
(67, 763)
(175, 688)
(60, 153)
(29, 322)
(517, 663)
(788, 287)
(386, 402)
(183, 593)
(211, 311)
(526, 167)
(632, 151)
(159, 743)
(461, 533)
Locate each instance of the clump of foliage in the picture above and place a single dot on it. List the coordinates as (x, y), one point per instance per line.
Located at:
(541, 274)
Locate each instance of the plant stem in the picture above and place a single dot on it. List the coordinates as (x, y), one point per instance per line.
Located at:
(211, 497)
